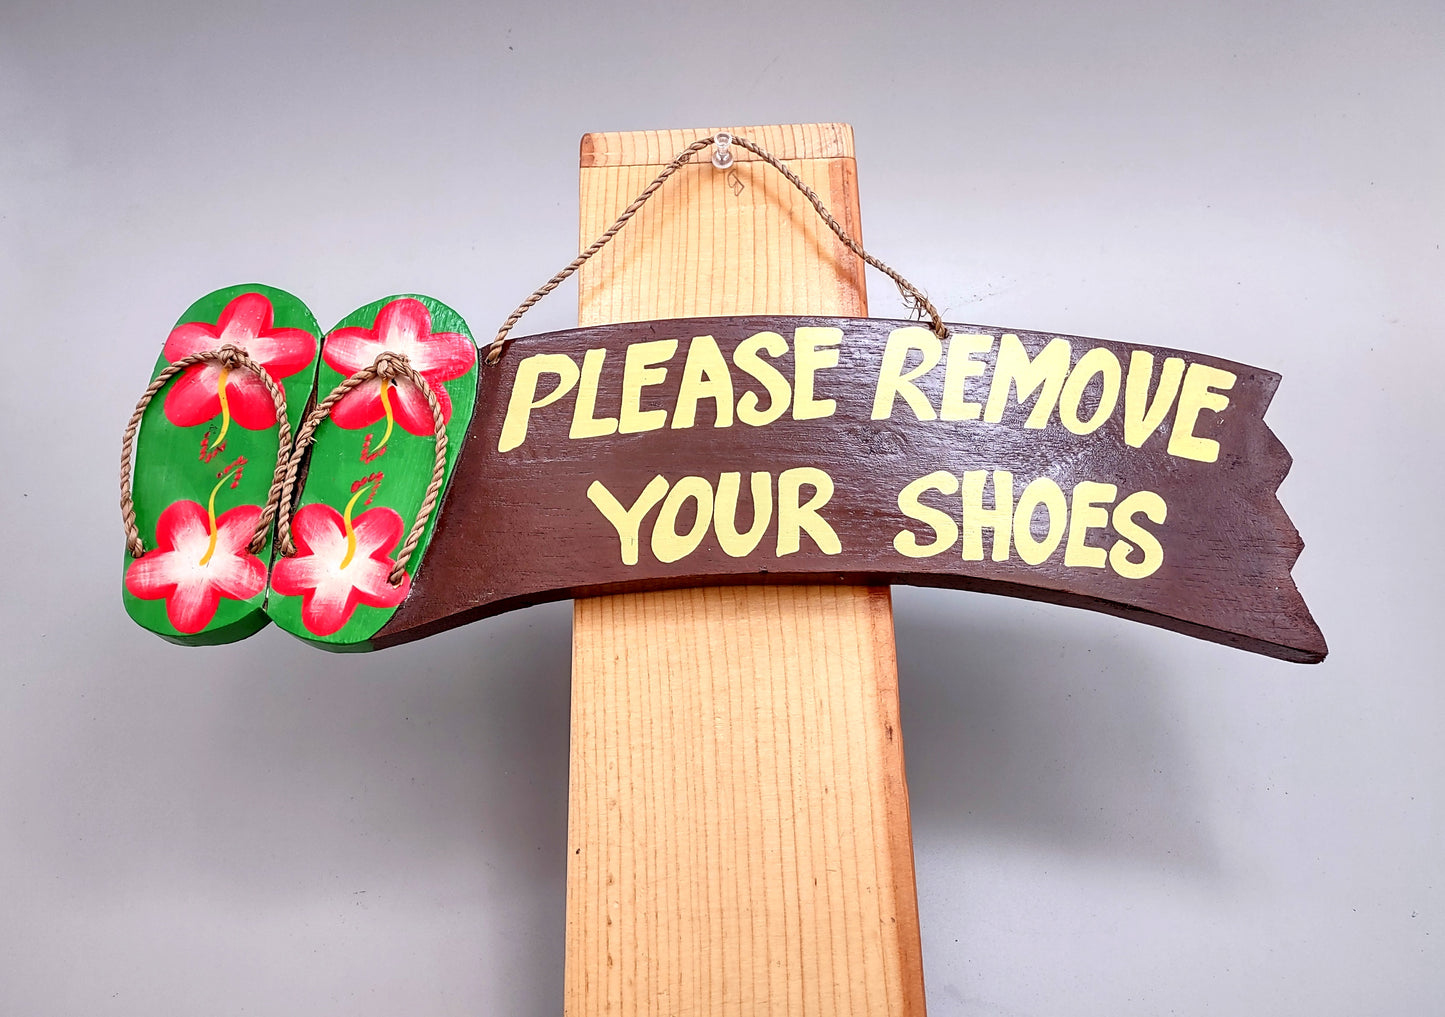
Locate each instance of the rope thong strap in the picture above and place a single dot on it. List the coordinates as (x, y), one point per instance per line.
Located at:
(232, 358)
(390, 366)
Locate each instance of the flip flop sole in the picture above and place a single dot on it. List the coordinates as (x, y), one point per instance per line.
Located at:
(205, 455)
(370, 466)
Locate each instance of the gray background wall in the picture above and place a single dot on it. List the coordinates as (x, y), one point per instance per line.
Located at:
(1108, 818)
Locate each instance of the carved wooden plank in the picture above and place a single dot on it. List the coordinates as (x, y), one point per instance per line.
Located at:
(205, 456)
(738, 832)
(368, 470)
(1134, 480)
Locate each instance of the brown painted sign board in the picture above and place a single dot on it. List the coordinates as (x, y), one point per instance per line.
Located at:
(1132, 480)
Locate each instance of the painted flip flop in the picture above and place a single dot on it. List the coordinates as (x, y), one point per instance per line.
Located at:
(390, 374)
(236, 374)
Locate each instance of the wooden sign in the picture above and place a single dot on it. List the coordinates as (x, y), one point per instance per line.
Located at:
(424, 489)
(1132, 480)
(1121, 478)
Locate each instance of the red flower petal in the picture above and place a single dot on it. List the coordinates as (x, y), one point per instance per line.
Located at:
(446, 355)
(320, 530)
(403, 323)
(149, 576)
(361, 407)
(245, 322)
(282, 351)
(377, 531)
(236, 572)
(299, 576)
(329, 592)
(193, 591)
(155, 574)
(193, 398)
(251, 405)
(402, 326)
(327, 607)
(244, 318)
(191, 606)
(410, 407)
(181, 524)
(191, 337)
(349, 350)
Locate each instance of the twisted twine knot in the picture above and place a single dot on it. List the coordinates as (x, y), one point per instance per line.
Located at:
(391, 365)
(231, 357)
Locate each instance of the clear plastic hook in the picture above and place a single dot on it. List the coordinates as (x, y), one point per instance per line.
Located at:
(722, 155)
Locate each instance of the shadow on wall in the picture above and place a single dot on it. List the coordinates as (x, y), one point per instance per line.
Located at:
(409, 803)
(439, 770)
(447, 757)
(1023, 723)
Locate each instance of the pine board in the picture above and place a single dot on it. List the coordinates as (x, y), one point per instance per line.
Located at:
(738, 831)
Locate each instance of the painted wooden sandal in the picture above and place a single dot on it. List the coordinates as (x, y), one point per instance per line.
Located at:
(401, 374)
(210, 461)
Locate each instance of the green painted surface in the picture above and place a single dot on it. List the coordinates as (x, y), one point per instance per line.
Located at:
(170, 468)
(344, 467)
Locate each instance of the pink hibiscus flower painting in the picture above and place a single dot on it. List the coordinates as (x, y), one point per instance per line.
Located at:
(340, 562)
(205, 390)
(197, 561)
(402, 326)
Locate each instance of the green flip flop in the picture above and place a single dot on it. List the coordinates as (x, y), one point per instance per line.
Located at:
(237, 372)
(379, 463)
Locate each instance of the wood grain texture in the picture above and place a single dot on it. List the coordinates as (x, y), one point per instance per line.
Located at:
(738, 834)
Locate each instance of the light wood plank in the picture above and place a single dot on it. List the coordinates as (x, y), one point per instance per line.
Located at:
(738, 833)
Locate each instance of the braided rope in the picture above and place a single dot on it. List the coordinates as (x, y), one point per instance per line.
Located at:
(912, 295)
(389, 366)
(231, 358)
(499, 344)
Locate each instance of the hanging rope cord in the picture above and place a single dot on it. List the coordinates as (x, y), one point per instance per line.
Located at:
(390, 367)
(231, 358)
(912, 295)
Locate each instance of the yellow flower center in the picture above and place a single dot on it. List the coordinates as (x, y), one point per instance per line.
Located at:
(386, 405)
(225, 406)
(211, 503)
(360, 490)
